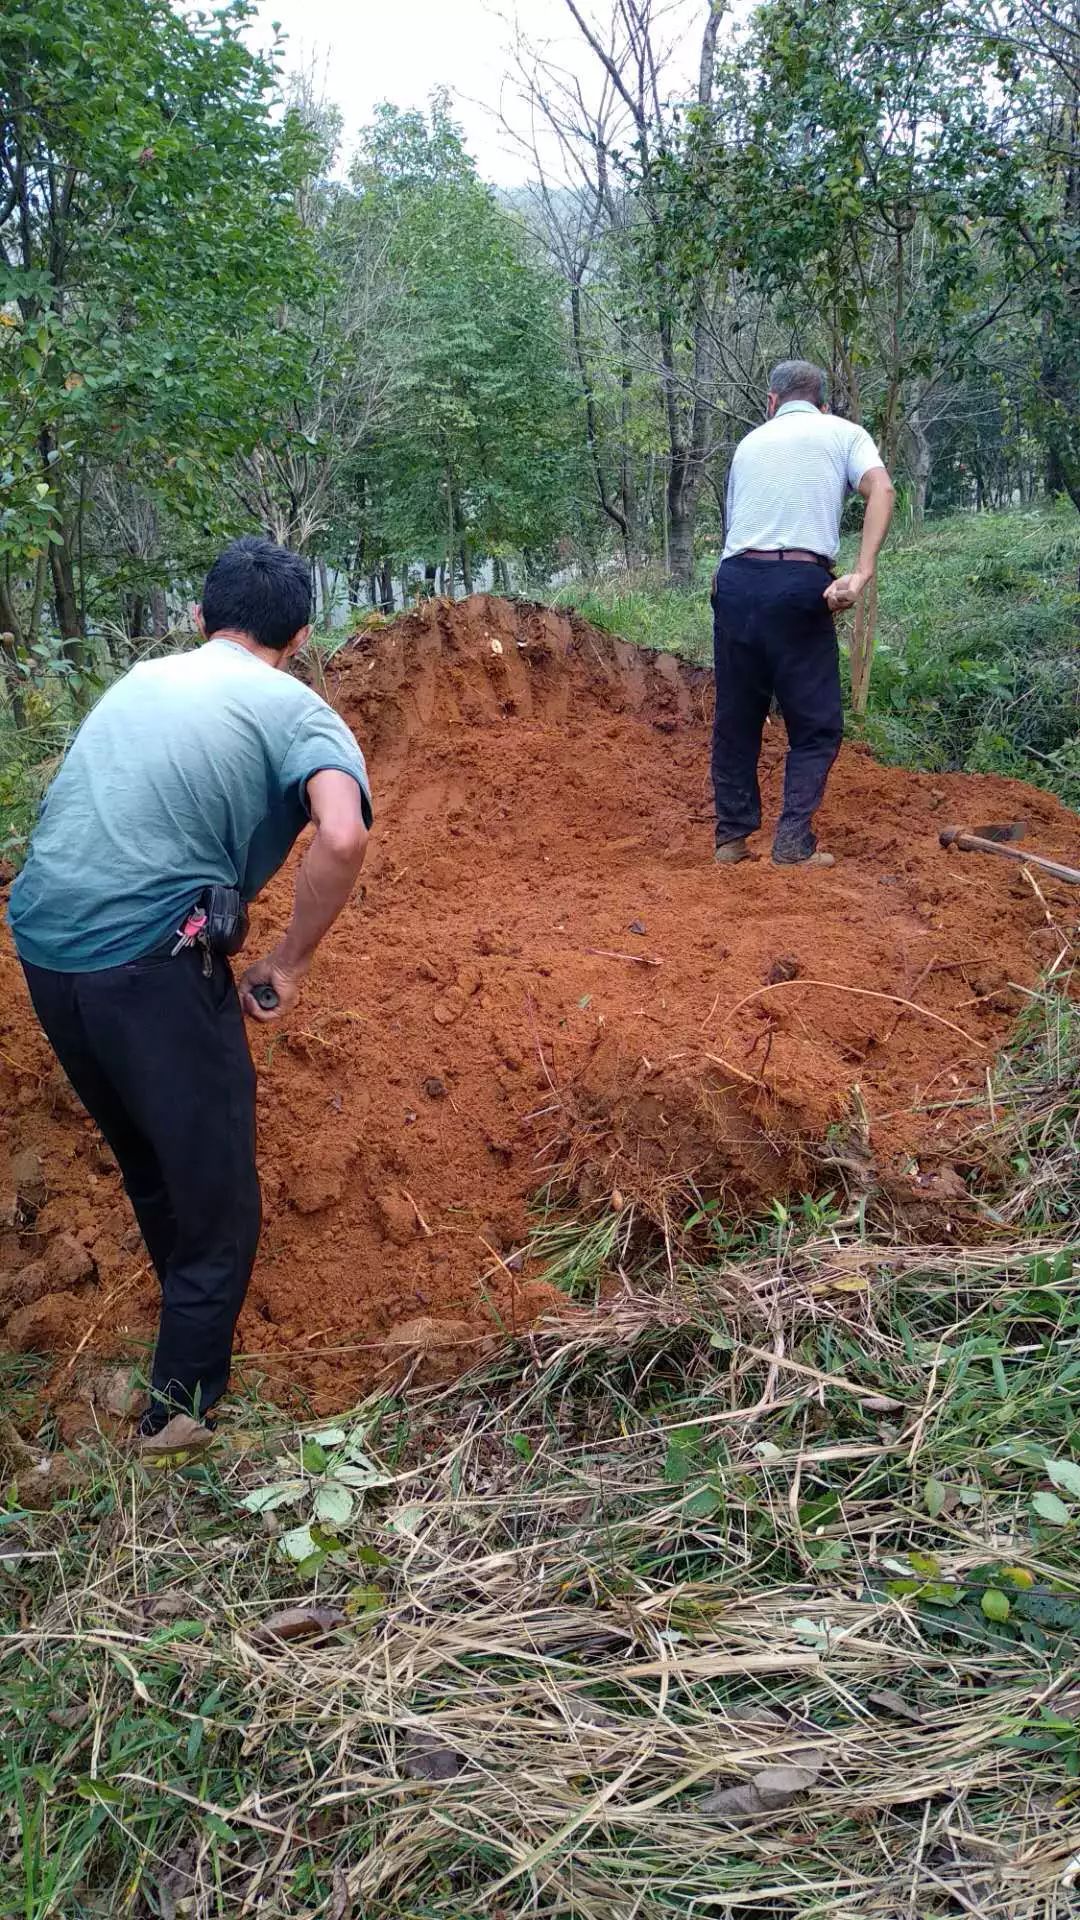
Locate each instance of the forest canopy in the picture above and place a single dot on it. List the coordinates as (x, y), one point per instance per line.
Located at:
(214, 319)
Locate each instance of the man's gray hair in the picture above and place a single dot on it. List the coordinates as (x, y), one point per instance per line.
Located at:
(799, 380)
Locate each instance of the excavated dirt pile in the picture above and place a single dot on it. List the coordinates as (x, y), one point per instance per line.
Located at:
(544, 972)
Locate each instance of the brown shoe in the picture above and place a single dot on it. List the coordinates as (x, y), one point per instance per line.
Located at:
(181, 1435)
(809, 860)
(730, 852)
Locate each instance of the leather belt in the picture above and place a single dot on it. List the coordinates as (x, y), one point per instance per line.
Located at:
(782, 553)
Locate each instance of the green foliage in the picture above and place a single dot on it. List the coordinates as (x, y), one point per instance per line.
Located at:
(150, 249)
(476, 457)
(977, 667)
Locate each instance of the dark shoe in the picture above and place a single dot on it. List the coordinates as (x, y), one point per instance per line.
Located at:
(730, 852)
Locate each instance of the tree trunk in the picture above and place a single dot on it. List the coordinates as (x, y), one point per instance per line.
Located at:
(431, 572)
(324, 590)
(10, 638)
(159, 613)
(386, 588)
(920, 467)
(592, 439)
(373, 591)
(466, 566)
(680, 517)
(67, 601)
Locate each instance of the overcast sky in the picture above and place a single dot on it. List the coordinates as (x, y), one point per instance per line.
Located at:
(366, 51)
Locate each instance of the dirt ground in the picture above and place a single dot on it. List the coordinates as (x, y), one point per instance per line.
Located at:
(544, 972)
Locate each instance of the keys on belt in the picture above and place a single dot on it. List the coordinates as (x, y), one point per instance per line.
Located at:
(192, 932)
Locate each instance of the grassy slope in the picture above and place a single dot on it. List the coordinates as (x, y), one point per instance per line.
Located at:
(978, 662)
(794, 1511)
(785, 1502)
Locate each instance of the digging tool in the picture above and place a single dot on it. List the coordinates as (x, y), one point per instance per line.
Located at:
(998, 839)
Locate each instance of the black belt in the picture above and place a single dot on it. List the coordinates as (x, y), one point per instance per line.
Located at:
(782, 553)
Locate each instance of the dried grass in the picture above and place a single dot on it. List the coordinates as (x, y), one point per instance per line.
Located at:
(740, 1517)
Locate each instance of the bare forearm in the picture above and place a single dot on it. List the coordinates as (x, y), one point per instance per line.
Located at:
(324, 883)
(876, 522)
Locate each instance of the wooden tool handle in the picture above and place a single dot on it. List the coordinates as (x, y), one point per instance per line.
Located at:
(971, 843)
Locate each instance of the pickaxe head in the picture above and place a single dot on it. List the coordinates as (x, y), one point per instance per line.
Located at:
(1003, 832)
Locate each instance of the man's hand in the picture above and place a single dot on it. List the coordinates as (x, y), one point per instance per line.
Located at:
(844, 592)
(323, 885)
(286, 981)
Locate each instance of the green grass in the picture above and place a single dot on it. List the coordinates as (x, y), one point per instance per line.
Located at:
(978, 660)
(806, 1501)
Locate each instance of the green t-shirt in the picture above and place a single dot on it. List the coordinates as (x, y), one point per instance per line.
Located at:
(190, 771)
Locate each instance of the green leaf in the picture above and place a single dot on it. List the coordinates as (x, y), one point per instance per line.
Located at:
(313, 1458)
(329, 1437)
(297, 1544)
(406, 1519)
(221, 1830)
(995, 1605)
(312, 1564)
(1049, 1508)
(934, 1498)
(334, 1505)
(1066, 1475)
(89, 1789)
(281, 1493)
(522, 1445)
(352, 1475)
(706, 1502)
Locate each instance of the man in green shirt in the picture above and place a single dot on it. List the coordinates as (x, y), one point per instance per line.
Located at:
(181, 795)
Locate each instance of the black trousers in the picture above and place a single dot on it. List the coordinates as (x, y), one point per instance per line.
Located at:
(773, 634)
(158, 1055)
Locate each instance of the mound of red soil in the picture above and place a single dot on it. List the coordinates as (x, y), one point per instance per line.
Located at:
(544, 970)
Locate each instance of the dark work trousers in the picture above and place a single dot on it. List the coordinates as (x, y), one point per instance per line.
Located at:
(158, 1055)
(773, 633)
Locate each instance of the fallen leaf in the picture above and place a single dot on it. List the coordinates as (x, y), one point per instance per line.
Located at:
(894, 1703)
(786, 967)
(297, 1623)
(123, 1396)
(429, 1758)
(176, 1884)
(341, 1906)
(67, 1717)
(768, 1792)
(166, 1606)
(584, 1712)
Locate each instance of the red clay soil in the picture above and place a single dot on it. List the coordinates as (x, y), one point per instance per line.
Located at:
(484, 1013)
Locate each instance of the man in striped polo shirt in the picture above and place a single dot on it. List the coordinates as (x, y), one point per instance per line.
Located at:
(773, 599)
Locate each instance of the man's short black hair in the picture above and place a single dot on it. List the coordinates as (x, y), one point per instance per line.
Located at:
(257, 588)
